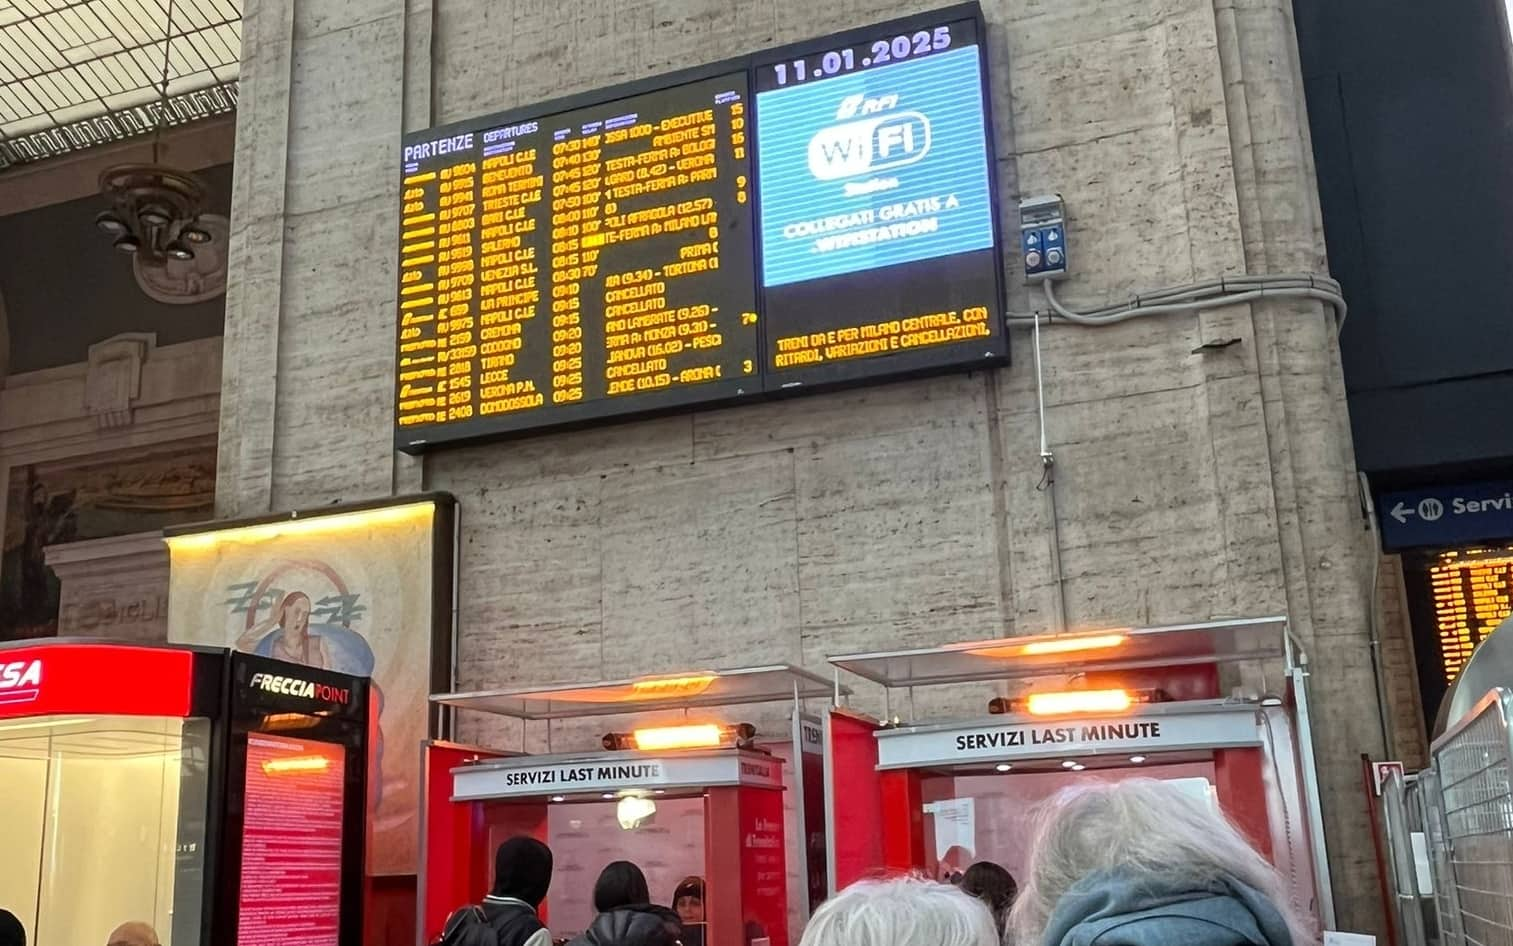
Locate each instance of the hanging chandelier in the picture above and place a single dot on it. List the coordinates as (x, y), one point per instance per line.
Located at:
(154, 209)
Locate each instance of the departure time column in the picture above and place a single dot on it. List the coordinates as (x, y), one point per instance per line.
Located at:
(576, 168)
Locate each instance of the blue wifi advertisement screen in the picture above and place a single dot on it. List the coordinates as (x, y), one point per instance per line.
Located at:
(873, 169)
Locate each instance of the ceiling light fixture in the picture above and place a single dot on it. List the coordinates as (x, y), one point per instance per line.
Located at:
(154, 209)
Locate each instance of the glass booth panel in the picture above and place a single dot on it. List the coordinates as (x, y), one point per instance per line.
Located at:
(989, 817)
(585, 836)
(93, 835)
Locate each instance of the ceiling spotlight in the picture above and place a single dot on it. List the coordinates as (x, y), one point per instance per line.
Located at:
(154, 215)
(1078, 767)
(110, 223)
(660, 791)
(559, 798)
(1003, 767)
(634, 811)
(1137, 759)
(158, 209)
(608, 795)
(1068, 763)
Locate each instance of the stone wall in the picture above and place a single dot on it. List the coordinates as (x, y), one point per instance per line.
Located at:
(1410, 738)
(1190, 483)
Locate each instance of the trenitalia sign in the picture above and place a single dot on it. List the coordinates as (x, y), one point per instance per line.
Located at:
(294, 686)
(67, 679)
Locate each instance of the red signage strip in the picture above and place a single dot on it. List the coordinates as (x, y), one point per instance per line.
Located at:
(113, 679)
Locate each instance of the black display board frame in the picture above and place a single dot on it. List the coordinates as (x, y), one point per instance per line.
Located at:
(851, 374)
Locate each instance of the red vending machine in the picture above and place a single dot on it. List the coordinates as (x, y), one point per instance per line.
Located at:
(1191, 704)
(668, 772)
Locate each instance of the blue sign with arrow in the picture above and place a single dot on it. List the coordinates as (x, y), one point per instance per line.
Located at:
(1446, 515)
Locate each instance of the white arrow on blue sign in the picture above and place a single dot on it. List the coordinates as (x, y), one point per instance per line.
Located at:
(1446, 516)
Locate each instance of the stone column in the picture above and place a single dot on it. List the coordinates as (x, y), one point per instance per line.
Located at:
(113, 588)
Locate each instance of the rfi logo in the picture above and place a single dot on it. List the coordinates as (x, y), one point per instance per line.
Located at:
(20, 681)
(887, 140)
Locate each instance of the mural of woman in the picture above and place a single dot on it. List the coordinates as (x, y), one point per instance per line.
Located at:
(294, 642)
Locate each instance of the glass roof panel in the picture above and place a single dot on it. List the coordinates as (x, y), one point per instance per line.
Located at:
(644, 694)
(1051, 655)
(77, 73)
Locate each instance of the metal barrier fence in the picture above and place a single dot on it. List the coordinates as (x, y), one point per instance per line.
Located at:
(1397, 813)
(1446, 903)
(1473, 762)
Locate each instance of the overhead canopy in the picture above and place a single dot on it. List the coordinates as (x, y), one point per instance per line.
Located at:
(78, 73)
(1109, 649)
(687, 690)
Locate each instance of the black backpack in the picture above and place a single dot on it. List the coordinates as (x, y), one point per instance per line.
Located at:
(467, 926)
(471, 926)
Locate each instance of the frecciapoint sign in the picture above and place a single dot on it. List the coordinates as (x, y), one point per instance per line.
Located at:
(294, 686)
(1209, 725)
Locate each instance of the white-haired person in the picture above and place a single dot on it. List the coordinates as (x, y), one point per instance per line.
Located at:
(902, 911)
(1143, 863)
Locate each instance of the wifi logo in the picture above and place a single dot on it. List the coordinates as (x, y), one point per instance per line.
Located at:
(886, 139)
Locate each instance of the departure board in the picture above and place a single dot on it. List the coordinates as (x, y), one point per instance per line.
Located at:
(813, 215)
(1472, 593)
(556, 265)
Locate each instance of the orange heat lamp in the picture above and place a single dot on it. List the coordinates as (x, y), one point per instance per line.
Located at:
(1076, 702)
(693, 736)
(311, 763)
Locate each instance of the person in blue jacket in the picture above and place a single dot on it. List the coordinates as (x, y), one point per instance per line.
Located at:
(1143, 863)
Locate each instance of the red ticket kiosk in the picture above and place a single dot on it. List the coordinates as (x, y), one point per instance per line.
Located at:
(1218, 708)
(678, 781)
(216, 796)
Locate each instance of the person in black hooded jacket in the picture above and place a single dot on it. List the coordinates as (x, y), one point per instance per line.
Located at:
(522, 875)
(625, 917)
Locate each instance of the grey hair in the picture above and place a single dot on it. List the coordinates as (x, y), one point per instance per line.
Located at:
(1146, 827)
(904, 911)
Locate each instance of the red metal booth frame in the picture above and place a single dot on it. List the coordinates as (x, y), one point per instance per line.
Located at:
(742, 789)
(1260, 745)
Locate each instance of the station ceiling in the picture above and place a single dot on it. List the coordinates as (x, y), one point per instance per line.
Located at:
(80, 73)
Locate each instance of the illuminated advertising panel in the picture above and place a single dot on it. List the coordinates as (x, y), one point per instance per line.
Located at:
(877, 208)
(291, 843)
(817, 214)
(362, 590)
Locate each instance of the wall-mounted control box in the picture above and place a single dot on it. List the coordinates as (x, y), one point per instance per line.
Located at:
(1042, 237)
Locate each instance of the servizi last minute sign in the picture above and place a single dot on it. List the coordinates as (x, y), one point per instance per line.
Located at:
(1208, 725)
